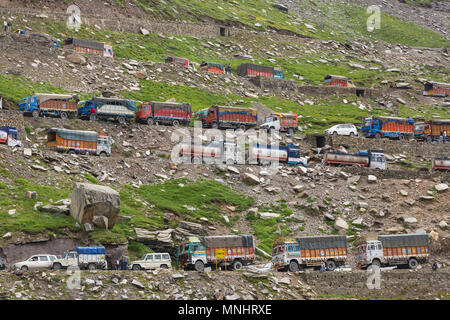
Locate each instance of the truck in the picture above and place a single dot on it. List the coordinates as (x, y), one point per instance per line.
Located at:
(373, 159)
(9, 136)
(45, 104)
(179, 61)
(441, 164)
(201, 115)
(432, 130)
(212, 67)
(338, 81)
(388, 127)
(164, 113)
(121, 110)
(297, 254)
(287, 122)
(254, 70)
(91, 258)
(77, 141)
(215, 151)
(436, 89)
(266, 154)
(220, 117)
(234, 251)
(393, 250)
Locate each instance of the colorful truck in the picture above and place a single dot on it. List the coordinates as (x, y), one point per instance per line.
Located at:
(91, 258)
(388, 127)
(212, 67)
(393, 250)
(179, 61)
(9, 136)
(76, 141)
(201, 115)
(164, 113)
(287, 122)
(441, 164)
(121, 110)
(295, 255)
(432, 130)
(373, 159)
(43, 104)
(215, 151)
(254, 70)
(232, 251)
(230, 117)
(436, 89)
(338, 81)
(267, 154)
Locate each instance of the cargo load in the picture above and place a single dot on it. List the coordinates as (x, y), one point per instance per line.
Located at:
(213, 67)
(212, 152)
(338, 81)
(121, 110)
(165, 113)
(231, 117)
(436, 89)
(254, 70)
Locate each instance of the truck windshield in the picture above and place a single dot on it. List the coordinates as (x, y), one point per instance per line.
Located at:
(419, 127)
(367, 122)
(269, 119)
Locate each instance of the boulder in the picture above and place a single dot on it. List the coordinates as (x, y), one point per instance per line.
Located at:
(441, 187)
(89, 200)
(156, 239)
(55, 209)
(268, 215)
(194, 228)
(341, 224)
(100, 222)
(77, 59)
(250, 178)
(371, 178)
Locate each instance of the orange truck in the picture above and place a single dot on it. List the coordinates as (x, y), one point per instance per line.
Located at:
(432, 130)
(393, 250)
(287, 122)
(295, 255)
(338, 81)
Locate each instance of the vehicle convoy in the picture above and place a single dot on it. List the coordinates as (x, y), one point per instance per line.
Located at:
(254, 70)
(295, 255)
(432, 130)
(287, 122)
(338, 81)
(152, 261)
(91, 258)
(46, 104)
(231, 250)
(346, 129)
(267, 154)
(215, 151)
(35, 262)
(393, 250)
(120, 110)
(164, 113)
(373, 159)
(441, 164)
(230, 117)
(388, 127)
(77, 141)
(9, 136)
(436, 89)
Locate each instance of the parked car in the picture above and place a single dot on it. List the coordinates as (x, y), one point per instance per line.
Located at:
(346, 129)
(153, 261)
(37, 261)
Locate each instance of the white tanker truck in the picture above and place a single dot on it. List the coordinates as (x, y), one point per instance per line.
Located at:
(373, 159)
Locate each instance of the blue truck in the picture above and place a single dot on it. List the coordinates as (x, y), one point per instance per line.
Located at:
(46, 104)
(388, 127)
(120, 110)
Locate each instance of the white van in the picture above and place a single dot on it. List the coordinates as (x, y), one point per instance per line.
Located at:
(153, 261)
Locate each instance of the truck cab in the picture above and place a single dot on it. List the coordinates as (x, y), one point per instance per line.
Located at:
(377, 159)
(369, 252)
(370, 126)
(104, 144)
(28, 105)
(278, 74)
(86, 109)
(9, 136)
(68, 259)
(191, 253)
(272, 123)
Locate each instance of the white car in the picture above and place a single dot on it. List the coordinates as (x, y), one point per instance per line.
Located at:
(37, 261)
(153, 261)
(347, 129)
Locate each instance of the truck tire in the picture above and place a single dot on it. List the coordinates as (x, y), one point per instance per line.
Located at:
(429, 139)
(377, 135)
(103, 154)
(57, 266)
(71, 152)
(197, 160)
(92, 266)
(136, 267)
(290, 131)
(150, 121)
(376, 262)
(176, 123)
(331, 265)
(35, 113)
(215, 125)
(230, 161)
(412, 263)
(92, 117)
(199, 265)
(121, 120)
(64, 115)
(293, 266)
(237, 265)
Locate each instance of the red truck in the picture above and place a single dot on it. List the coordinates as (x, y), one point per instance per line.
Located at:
(230, 117)
(164, 113)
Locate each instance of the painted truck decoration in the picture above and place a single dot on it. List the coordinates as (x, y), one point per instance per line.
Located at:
(230, 117)
(9, 136)
(164, 113)
(338, 81)
(432, 130)
(121, 110)
(266, 154)
(91, 258)
(388, 127)
(211, 67)
(393, 250)
(254, 70)
(436, 89)
(287, 122)
(44, 104)
(441, 164)
(199, 253)
(213, 152)
(373, 159)
(295, 255)
(179, 61)
(76, 141)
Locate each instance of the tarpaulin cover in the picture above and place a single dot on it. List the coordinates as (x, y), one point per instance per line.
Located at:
(171, 105)
(242, 69)
(85, 43)
(129, 104)
(403, 240)
(91, 250)
(322, 242)
(244, 240)
(90, 136)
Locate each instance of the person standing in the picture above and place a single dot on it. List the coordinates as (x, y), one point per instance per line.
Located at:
(445, 136)
(9, 26)
(117, 264)
(125, 263)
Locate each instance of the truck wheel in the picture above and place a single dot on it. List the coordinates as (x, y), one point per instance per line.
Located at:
(215, 125)
(136, 267)
(230, 161)
(376, 263)
(199, 265)
(237, 265)
(57, 266)
(331, 265)
(150, 121)
(429, 139)
(71, 152)
(293, 266)
(92, 266)
(92, 117)
(196, 160)
(377, 135)
(412, 263)
(35, 113)
(176, 123)
(290, 131)
(121, 120)
(103, 154)
(64, 115)
(242, 127)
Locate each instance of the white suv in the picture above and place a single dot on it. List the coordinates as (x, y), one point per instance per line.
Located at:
(153, 261)
(347, 129)
(38, 261)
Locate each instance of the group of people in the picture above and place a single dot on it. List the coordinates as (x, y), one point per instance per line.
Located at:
(7, 25)
(122, 263)
(227, 69)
